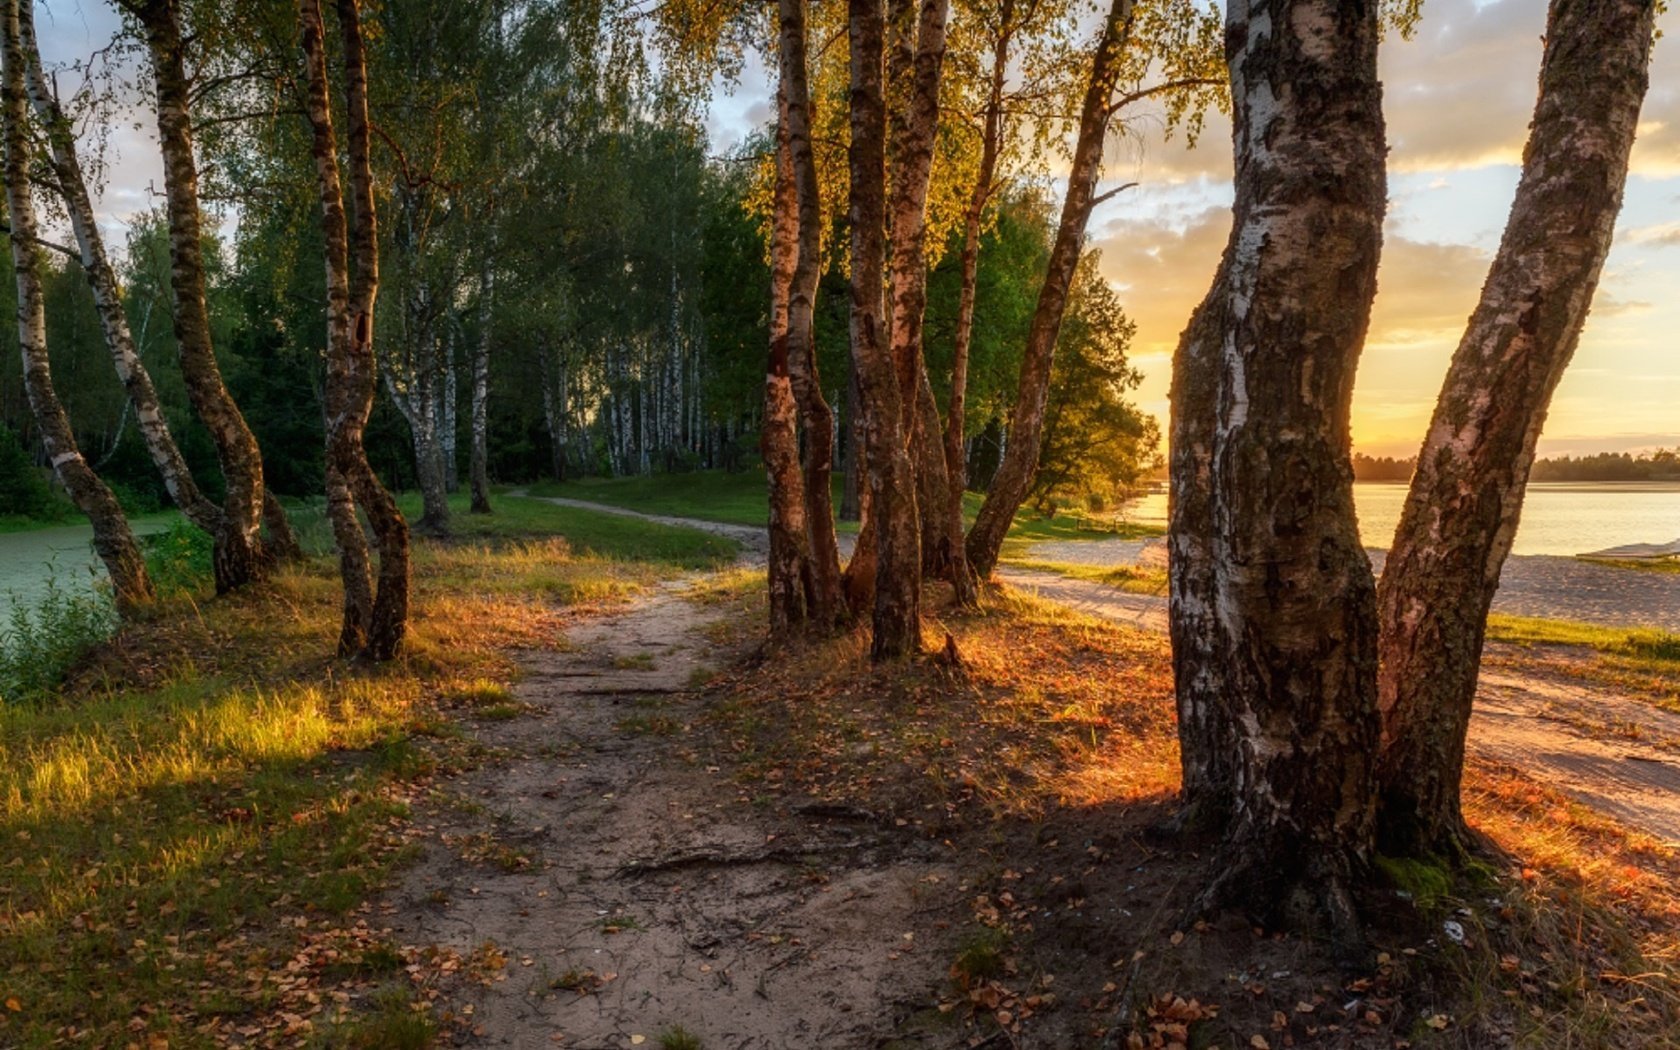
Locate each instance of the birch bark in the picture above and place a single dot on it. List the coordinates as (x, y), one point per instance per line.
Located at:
(1466, 496)
(237, 558)
(1294, 612)
(112, 538)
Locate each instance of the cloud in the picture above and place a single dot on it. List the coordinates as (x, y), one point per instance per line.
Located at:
(1662, 235)
(1458, 95)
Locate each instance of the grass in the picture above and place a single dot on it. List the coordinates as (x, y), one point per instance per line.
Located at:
(741, 499)
(1657, 565)
(1638, 647)
(210, 800)
(585, 531)
(1136, 579)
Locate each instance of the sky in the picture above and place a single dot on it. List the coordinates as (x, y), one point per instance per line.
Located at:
(1459, 96)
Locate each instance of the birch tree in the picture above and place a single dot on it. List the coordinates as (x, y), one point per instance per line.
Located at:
(1146, 51)
(1289, 603)
(102, 279)
(237, 557)
(1465, 500)
(112, 538)
(373, 631)
(896, 618)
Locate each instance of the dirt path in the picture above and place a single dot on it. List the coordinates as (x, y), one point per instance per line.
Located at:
(1542, 585)
(1617, 753)
(629, 890)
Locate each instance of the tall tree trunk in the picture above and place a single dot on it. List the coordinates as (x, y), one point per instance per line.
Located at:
(1293, 595)
(350, 363)
(790, 553)
(956, 458)
(102, 279)
(390, 607)
(826, 604)
(917, 63)
(1013, 479)
(237, 557)
(1461, 513)
(896, 620)
(112, 538)
(480, 454)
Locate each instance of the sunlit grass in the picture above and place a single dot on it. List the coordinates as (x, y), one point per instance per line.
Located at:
(1135, 579)
(211, 794)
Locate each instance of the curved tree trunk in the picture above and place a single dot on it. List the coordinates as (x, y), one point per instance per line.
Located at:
(1461, 513)
(1013, 479)
(112, 538)
(237, 557)
(1293, 613)
(826, 603)
(102, 279)
(896, 619)
(350, 366)
(354, 564)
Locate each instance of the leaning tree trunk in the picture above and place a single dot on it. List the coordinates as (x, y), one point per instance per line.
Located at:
(237, 557)
(779, 434)
(825, 602)
(896, 620)
(1461, 513)
(102, 279)
(350, 366)
(1013, 479)
(112, 538)
(1293, 594)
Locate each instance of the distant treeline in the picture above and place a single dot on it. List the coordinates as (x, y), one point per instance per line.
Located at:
(1661, 465)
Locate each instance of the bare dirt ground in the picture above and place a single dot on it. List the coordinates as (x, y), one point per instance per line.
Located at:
(628, 892)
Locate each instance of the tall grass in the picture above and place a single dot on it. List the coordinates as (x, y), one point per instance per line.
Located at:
(42, 640)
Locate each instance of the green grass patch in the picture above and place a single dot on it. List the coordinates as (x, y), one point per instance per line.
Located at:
(740, 498)
(1657, 565)
(1659, 649)
(1136, 579)
(590, 532)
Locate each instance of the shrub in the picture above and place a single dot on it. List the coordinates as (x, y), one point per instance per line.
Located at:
(24, 491)
(179, 559)
(40, 644)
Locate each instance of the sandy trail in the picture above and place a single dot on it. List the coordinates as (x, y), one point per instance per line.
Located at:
(632, 890)
(1616, 752)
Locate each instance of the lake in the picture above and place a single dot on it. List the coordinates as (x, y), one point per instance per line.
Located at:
(29, 559)
(1564, 518)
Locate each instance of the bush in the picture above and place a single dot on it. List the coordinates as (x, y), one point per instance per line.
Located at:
(24, 491)
(39, 645)
(179, 559)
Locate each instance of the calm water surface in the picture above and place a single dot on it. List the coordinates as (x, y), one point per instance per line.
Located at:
(1558, 517)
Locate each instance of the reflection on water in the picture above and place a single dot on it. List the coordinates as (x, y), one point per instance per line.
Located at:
(1558, 517)
(29, 559)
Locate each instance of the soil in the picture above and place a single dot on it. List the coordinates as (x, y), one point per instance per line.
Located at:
(614, 881)
(632, 890)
